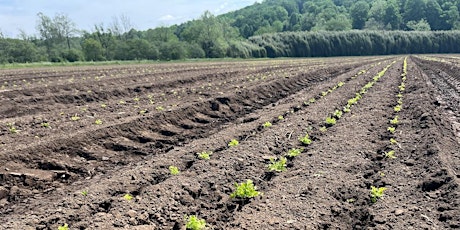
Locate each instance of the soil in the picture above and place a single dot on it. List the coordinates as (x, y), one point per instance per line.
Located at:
(55, 170)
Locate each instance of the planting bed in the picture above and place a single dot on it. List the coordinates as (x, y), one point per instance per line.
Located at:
(91, 147)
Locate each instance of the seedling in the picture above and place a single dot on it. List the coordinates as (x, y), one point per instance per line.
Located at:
(330, 121)
(174, 170)
(103, 105)
(392, 129)
(84, 193)
(338, 113)
(75, 118)
(280, 117)
(340, 84)
(294, 152)
(64, 227)
(305, 139)
(142, 112)
(128, 196)
(323, 129)
(277, 166)
(121, 102)
(11, 128)
(205, 155)
(194, 223)
(376, 193)
(390, 154)
(233, 143)
(394, 121)
(312, 100)
(45, 125)
(397, 108)
(393, 141)
(323, 94)
(267, 124)
(159, 108)
(136, 99)
(98, 122)
(245, 190)
(346, 109)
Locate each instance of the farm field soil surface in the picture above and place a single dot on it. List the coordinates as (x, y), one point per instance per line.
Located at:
(92, 147)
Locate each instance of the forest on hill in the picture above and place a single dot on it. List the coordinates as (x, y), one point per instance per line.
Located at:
(273, 28)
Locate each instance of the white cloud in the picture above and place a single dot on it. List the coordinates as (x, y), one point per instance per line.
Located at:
(167, 18)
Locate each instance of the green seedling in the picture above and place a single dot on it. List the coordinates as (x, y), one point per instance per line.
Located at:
(194, 223)
(323, 129)
(233, 143)
(245, 190)
(305, 139)
(84, 193)
(312, 100)
(394, 121)
(103, 105)
(346, 109)
(340, 84)
(393, 141)
(121, 102)
(390, 154)
(280, 117)
(206, 155)
(128, 196)
(64, 227)
(45, 125)
(142, 112)
(331, 121)
(392, 129)
(174, 170)
(277, 165)
(136, 99)
(338, 113)
(294, 152)
(397, 108)
(159, 108)
(377, 193)
(267, 124)
(11, 128)
(75, 118)
(324, 94)
(98, 122)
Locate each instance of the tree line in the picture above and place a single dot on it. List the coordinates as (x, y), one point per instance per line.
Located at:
(273, 28)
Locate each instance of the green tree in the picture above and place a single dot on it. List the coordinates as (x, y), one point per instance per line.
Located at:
(433, 14)
(414, 10)
(421, 25)
(93, 50)
(359, 13)
(392, 18)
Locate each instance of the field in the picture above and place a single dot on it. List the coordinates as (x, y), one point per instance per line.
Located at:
(91, 147)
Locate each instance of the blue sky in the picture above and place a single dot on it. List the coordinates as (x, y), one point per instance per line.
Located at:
(143, 14)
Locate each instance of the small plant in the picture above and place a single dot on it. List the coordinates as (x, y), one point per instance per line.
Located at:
(75, 118)
(393, 141)
(305, 139)
(11, 128)
(267, 124)
(84, 193)
(331, 121)
(121, 102)
(280, 117)
(376, 193)
(64, 227)
(142, 112)
(392, 129)
(323, 129)
(160, 108)
(233, 143)
(338, 113)
(128, 196)
(390, 154)
(245, 190)
(346, 109)
(98, 122)
(205, 155)
(174, 170)
(312, 100)
(340, 84)
(136, 99)
(277, 166)
(45, 125)
(194, 223)
(103, 105)
(395, 121)
(397, 108)
(294, 152)
(324, 94)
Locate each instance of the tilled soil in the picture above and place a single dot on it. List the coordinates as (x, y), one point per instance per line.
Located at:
(56, 169)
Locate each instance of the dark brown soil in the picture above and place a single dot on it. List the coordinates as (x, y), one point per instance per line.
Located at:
(156, 116)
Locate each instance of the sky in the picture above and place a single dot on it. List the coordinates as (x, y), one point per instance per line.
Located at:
(18, 15)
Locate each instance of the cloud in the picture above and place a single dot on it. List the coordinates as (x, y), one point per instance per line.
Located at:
(167, 18)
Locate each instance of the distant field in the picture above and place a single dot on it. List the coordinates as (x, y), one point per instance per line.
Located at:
(77, 142)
